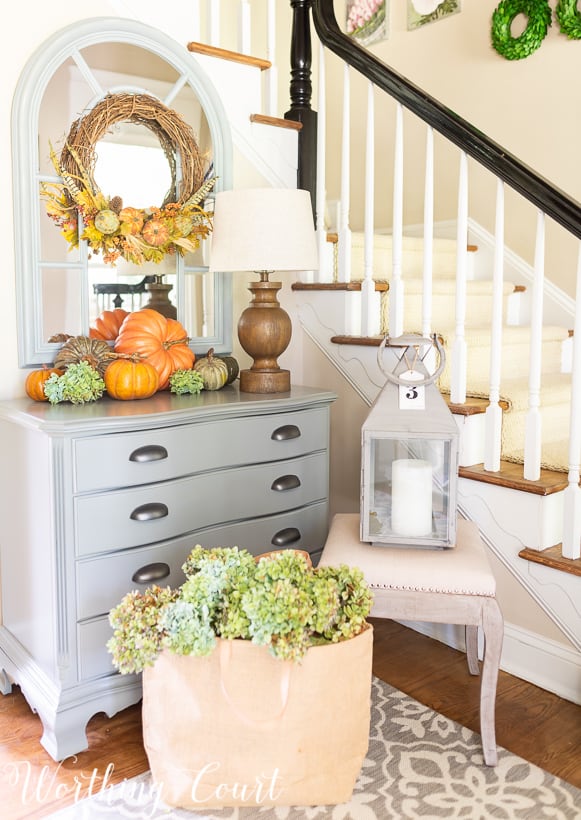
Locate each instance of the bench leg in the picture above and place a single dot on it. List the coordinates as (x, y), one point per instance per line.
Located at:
(472, 649)
(493, 628)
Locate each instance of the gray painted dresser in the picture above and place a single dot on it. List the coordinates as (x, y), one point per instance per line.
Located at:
(102, 498)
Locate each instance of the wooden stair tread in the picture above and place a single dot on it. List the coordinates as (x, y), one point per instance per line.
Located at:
(510, 475)
(355, 286)
(226, 54)
(553, 557)
(278, 122)
(473, 406)
(333, 237)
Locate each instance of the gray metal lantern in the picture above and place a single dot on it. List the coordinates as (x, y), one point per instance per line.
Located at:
(409, 459)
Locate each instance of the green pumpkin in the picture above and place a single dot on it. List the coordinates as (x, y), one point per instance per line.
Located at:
(213, 370)
(233, 368)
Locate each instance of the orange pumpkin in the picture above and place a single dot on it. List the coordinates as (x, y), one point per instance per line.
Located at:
(127, 379)
(160, 341)
(34, 384)
(155, 233)
(106, 325)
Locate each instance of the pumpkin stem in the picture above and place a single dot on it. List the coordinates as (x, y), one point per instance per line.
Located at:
(186, 340)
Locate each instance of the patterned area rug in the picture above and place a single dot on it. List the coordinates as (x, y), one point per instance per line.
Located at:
(419, 765)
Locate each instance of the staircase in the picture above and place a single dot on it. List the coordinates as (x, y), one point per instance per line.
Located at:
(521, 514)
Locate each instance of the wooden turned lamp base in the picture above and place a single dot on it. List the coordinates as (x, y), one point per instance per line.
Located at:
(264, 331)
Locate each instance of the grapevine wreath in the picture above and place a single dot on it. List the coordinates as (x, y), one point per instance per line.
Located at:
(539, 15)
(137, 234)
(569, 18)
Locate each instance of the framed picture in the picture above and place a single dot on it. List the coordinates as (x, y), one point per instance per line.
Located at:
(421, 12)
(366, 20)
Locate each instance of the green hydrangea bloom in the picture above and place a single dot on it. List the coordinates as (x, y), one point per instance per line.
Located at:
(279, 601)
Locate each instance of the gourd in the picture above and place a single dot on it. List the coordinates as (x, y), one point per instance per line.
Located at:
(213, 370)
(126, 379)
(233, 368)
(95, 352)
(35, 381)
(106, 325)
(161, 341)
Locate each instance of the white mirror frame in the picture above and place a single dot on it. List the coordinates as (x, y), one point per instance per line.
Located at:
(33, 350)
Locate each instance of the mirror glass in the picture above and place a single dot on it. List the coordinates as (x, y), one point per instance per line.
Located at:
(63, 288)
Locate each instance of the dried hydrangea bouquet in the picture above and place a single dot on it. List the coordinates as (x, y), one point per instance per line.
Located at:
(279, 601)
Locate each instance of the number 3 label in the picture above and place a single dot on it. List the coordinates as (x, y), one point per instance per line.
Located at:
(412, 396)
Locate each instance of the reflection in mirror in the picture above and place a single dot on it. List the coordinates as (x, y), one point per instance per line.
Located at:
(72, 285)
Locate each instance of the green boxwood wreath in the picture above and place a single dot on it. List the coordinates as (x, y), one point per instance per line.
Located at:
(569, 18)
(539, 16)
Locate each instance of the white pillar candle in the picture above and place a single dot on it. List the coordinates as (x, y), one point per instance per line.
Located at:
(411, 497)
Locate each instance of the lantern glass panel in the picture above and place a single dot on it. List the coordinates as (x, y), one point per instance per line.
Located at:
(407, 490)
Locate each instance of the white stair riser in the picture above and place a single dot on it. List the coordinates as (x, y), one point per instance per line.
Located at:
(478, 310)
(444, 260)
(515, 362)
(554, 420)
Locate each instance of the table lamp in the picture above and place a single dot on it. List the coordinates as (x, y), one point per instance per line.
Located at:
(264, 230)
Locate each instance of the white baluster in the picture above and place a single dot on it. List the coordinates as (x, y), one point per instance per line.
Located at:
(458, 380)
(396, 294)
(532, 459)
(344, 232)
(196, 22)
(572, 495)
(325, 265)
(428, 261)
(271, 102)
(493, 420)
(244, 27)
(214, 22)
(369, 298)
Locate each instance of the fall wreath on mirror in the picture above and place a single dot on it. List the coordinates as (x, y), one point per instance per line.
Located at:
(111, 228)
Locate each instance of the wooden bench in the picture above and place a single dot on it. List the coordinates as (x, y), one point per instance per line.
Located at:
(453, 586)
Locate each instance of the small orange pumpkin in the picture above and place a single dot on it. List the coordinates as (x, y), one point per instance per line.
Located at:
(131, 220)
(127, 379)
(155, 233)
(162, 342)
(34, 385)
(106, 325)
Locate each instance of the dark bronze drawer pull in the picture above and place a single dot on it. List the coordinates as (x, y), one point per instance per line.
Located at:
(150, 573)
(151, 452)
(149, 512)
(282, 538)
(285, 482)
(286, 432)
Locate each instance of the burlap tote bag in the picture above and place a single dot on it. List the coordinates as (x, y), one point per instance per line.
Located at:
(241, 728)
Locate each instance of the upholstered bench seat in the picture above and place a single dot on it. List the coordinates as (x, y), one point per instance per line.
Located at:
(454, 586)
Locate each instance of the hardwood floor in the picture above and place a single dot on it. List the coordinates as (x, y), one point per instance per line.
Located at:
(530, 722)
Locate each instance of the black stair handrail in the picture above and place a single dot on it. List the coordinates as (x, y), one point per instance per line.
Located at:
(549, 199)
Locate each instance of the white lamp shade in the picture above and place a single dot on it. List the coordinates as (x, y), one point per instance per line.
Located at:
(263, 229)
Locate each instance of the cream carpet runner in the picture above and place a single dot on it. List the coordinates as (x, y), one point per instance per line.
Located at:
(514, 389)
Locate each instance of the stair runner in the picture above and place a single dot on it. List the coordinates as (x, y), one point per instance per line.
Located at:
(514, 387)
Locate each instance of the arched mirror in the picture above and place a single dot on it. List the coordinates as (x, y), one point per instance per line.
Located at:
(62, 283)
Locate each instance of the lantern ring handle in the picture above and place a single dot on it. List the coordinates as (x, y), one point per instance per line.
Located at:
(410, 341)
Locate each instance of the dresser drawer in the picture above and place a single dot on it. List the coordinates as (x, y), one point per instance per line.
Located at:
(146, 515)
(129, 459)
(102, 582)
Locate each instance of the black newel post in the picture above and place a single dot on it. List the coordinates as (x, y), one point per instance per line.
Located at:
(300, 97)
